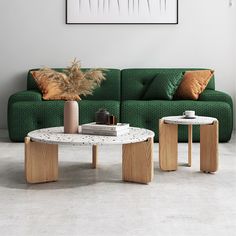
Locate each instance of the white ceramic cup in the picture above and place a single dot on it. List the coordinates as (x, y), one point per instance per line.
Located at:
(189, 113)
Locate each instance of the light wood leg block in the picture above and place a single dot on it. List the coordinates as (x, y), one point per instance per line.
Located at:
(168, 146)
(41, 162)
(190, 140)
(94, 156)
(137, 162)
(209, 147)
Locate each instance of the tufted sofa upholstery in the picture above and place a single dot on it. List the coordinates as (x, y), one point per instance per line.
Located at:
(121, 94)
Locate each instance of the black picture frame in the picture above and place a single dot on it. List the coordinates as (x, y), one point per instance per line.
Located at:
(98, 23)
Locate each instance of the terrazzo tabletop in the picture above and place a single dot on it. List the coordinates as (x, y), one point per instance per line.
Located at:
(181, 120)
(56, 135)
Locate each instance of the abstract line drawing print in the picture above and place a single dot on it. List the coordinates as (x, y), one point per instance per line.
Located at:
(122, 11)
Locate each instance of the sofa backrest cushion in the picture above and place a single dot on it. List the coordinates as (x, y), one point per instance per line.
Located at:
(134, 82)
(109, 89)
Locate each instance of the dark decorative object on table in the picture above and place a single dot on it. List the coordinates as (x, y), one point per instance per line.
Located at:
(102, 116)
(112, 120)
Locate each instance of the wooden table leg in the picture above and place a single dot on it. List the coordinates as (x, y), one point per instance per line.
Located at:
(168, 146)
(137, 162)
(190, 140)
(94, 156)
(209, 147)
(41, 162)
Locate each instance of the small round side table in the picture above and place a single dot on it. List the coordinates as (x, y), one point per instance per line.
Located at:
(168, 142)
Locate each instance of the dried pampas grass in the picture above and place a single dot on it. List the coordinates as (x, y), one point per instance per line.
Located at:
(69, 84)
(82, 83)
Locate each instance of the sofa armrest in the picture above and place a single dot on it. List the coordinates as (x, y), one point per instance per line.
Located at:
(218, 96)
(27, 95)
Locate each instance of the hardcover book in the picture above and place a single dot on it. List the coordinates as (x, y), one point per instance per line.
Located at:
(94, 126)
(106, 132)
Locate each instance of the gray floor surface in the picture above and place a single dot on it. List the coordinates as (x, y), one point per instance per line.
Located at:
(96, 202)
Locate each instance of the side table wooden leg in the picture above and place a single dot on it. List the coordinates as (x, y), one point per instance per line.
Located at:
(209, 147)
(41, 162)
(94, 156)
(190, 140)
(137, 162)
(168, 146)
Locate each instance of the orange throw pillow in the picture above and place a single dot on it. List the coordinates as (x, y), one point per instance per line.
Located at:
(193, 84)
(51, 87)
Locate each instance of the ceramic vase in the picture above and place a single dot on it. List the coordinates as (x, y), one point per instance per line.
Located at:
(71, 117)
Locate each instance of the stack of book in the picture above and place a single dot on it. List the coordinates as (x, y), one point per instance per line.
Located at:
(106, 130)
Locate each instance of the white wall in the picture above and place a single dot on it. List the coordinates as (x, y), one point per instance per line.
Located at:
(34, 34)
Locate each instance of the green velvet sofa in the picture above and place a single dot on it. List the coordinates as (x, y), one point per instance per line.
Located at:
(122, 95)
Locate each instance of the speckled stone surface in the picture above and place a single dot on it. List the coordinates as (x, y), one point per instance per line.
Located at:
(56, 135)
(181, 120)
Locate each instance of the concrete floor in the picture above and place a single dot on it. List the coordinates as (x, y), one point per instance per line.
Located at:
(96, 202)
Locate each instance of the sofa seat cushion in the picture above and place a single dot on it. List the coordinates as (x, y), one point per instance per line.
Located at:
(163, 86)
(147, 114)
(88, 108)
(25, 116)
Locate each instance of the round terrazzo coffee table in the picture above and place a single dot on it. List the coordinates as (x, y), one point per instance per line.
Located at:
(41, 153)
(168, 142)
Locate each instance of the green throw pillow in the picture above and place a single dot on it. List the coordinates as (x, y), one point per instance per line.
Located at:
(163, 86)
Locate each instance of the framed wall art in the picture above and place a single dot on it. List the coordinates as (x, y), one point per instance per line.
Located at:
(122, 11)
